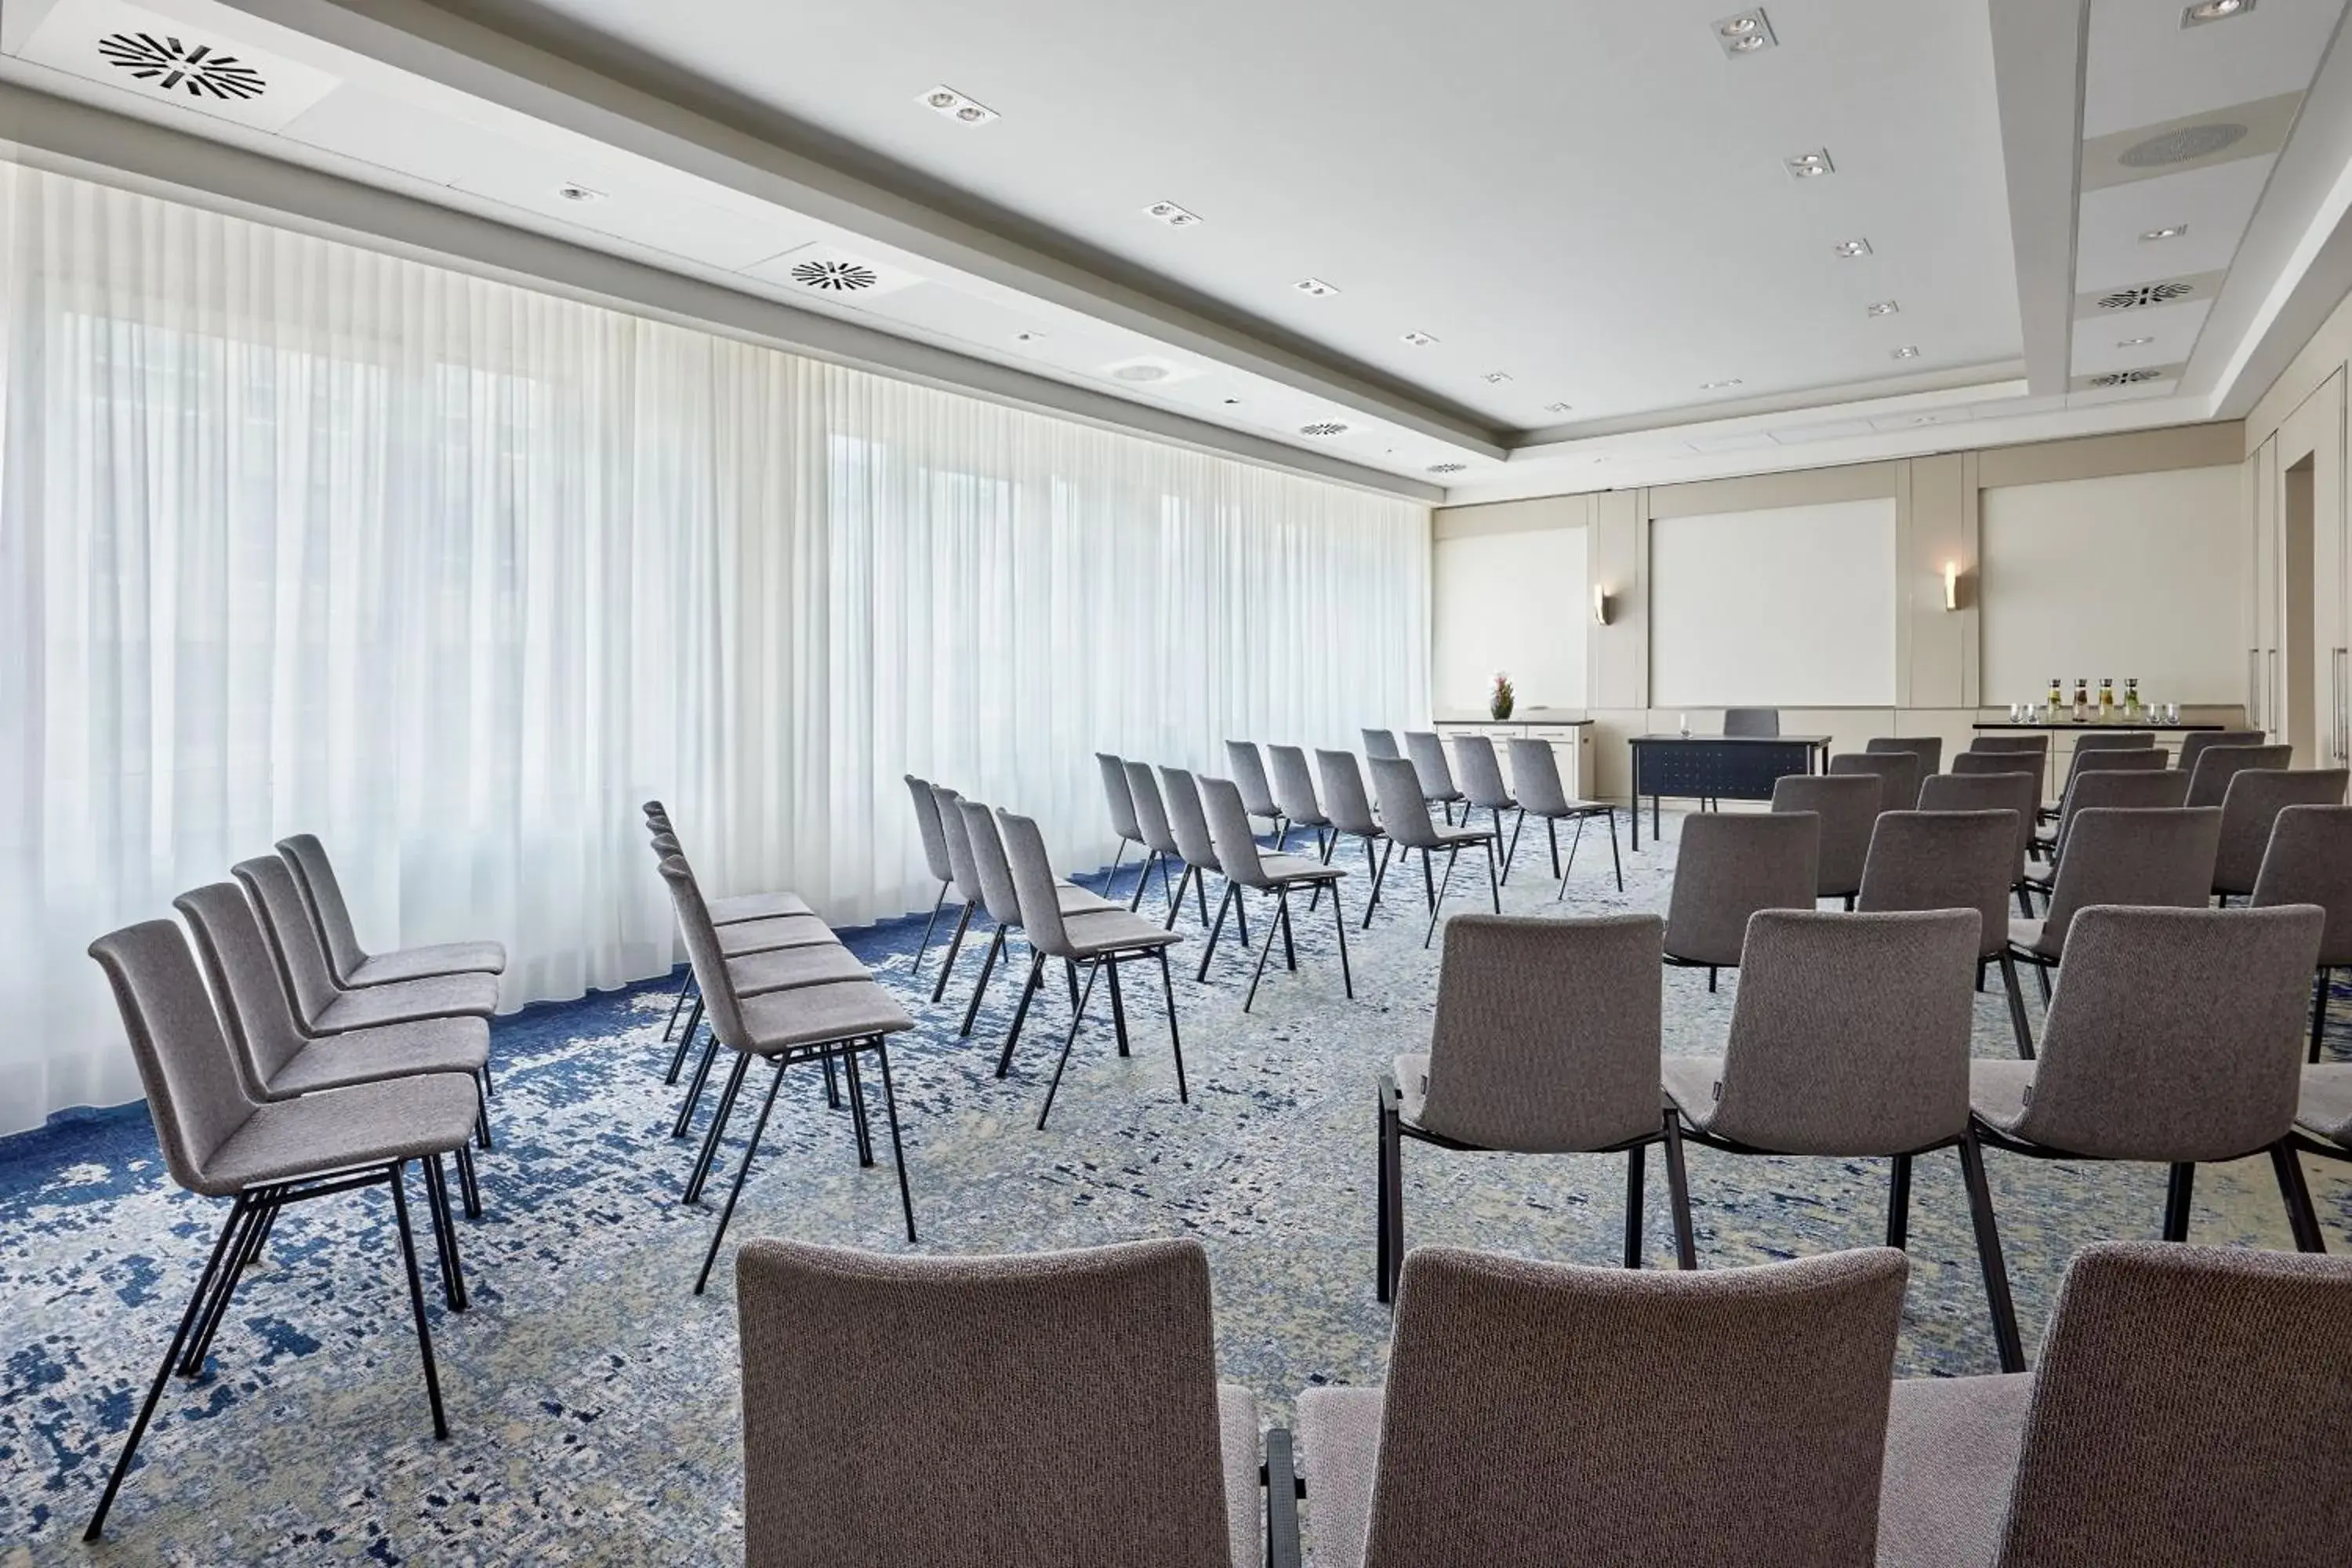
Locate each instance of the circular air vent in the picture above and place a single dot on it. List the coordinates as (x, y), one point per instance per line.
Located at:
(174, 67)
(835, 277)
(2126, 377)
(1447, 468)
(2182, 145)
(1140, 373)
(1327, 428)
(2147, 294)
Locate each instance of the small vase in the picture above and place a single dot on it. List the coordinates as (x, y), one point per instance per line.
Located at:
(1500, 707)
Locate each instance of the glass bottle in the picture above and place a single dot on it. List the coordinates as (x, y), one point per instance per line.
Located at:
(2057, 698)
(2082, 699)
(2106, 700)
(2131, 699)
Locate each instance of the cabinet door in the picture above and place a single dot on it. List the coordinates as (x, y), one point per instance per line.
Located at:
(2262, 710)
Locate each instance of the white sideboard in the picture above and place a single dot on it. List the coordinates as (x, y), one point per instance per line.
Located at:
(1571, 743)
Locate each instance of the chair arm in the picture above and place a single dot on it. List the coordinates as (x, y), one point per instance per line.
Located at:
(1284, 1488)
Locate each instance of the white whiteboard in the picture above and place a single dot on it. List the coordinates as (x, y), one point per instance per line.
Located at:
(1515, 602)
(2137, 574)
(1790, 607)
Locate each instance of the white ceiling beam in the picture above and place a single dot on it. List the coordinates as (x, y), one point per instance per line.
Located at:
(2038, 57)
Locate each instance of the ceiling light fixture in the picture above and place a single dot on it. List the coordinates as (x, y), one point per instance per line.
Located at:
(947, 100)
(1852, 247)
(1140, 373)
(1717, 385)
(1811, 166)
(1314, 287)
(1171, 215)
(1748, 33)
(2133, 342)
(1883, 308)
(572, 192)
(1906, 352)
(1231, 401)
(2170, 231)
(1419, 340)
(1496, 377)
(1028, 337)
(2214, 11)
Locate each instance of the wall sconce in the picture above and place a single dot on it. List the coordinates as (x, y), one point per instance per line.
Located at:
(1951, 584)
(1600, 606)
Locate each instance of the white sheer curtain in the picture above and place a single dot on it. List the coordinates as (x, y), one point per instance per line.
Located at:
(298, 536)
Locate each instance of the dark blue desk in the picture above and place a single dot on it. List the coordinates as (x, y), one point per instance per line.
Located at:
(1718, 767)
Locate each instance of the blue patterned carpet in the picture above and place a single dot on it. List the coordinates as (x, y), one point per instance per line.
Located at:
(592, 1399)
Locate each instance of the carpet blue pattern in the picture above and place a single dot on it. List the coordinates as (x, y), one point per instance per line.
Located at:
(592, 1399)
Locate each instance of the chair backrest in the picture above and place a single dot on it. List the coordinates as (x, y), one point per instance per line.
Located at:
(1115, 796)
(1187, 821)
(2115, 741)
(2175, 1034)
(2019, 793)
(2037, 743)
(1344, 800)
(2195, 744)
(2173, 1407)
(1380, 744)
(186, 1063)
(1249, 777)
(1900, 771)
(927, 823)
(2309, 861)
(1969, 764)
(2089, 759)
(323, 900)
(1847, 805)
(2134, 789)
(1405, 810)
(1428, 764)
(1764, 721)
(1294, 787)
(255, 1010)
(2250, 809)
(1229, 830)
(1482, 775)
(721, 1007)
(293, 940)
(1728, 867)
(1548, 1032)
(656, 812)
(1055, 1409)
(1032, 879)
(962, 872)
(1850, 1034)
(1535, 777)
(1615, 1411)
(1150, 811)
(2209, 781)
(2141, 859)
(1928, 749)
(1945, 860)
(998, 894)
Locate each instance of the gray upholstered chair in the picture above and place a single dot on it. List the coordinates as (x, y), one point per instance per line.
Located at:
(1404, 812)
(325, 1006)
(2209, 782)
(2197, 742)
(1180, 795)
(352, 965)
(220, 1141)
(1728, 867)
(1275, 876)
(1294, 796)
(2006, 790)
(1483, 784)
(1159, 838)
(1954, 860)
(2168, 1424)
(1615, 1416)
(2309, 861)
(1535, 770)
(2036, 743)
(1928, 749)
(1351, 811)
(737, 909)
(1974, 762)
(1060, 1407)
(1899, 774)
(2176, 1037)
(1002, 901)
(1848, 806)
(1098, 941)
(2251, 810)
(925, 796)
(841, 1020)
(964, 875)
(2160, 858)
(1380, 744)
(2106, 753)
(1119, 800)
(1427, 752)
(2116, 741)
(2146, 789)
(788, 925)
(1751, 722)
(1249, 777)
(1850, 1038)
(1546, 1042)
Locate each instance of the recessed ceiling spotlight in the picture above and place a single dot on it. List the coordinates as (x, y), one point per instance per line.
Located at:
(1717, 385)
(1171, 215)
(1447, 468)
(1852, 247)
(1906, 352)
(2214, 11)
(1883, 308)
(1324, 428)
(947, 100)
(1748, 33)
(1314, 287)
(1419, 340)
(1496, 377)
(1811, 166)
(579, 194)
(1230, 402)
(2133, 342)
(2170, 231)
(1028, 337)
(1559, 407)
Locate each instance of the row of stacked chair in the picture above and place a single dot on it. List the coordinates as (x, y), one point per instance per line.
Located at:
(1538, 1413)
(282, 1063)
(1535, 789)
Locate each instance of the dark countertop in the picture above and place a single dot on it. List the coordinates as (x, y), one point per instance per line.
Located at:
(1562, 719)
(2093, 725)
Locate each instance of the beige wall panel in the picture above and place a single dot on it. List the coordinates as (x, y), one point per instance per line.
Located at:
(1617, 561)
(2102, 456)
(1940, 527)
(1508, 601)
(1510, 517)
(1759, 492)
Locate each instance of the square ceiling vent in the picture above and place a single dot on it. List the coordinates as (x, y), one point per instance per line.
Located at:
(168, 61)
(829, 272)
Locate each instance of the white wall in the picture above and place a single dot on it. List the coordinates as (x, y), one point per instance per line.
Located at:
(2135, 574)
(1508, 601)
(1793, 607)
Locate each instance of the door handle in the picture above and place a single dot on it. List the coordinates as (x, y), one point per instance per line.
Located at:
(2254, 686)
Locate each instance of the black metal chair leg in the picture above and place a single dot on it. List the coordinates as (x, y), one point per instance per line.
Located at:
(685, 984)
(898, 1150)
(1551, 835)
(1021, 1014)
(1710, 979)
(832, 1085)
(709, 1154)
(1289, 941)
(445, 1232)
(1678, 1195)
(2042, 976)
(2319, 989)
(694, 1089)
(2017, 1023)
(979, 990)
(922, 948)
(1517, 828)
(685, 1043)
(955, 946)
(1635, 1158)
(1175, 1045)
(2178, 1192)
(735, 1191)
(2007, 1341)
(1117, 1007)
(1616, 865)
(1077, 1017)
(1574, 839)
(1176, 903)
(865, 1133)
(1217, 930)
(1493, 886)
(481, 1117)
(1340, 924)
(1391, 1258)
(468, 1187)
(1898, 1203)
(1437, 895)
(249, 1243)
(416, 1299)
(1380, 875)
(2302, 1219)
(1273, 928)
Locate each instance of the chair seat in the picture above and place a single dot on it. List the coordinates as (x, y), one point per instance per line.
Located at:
(1448, 797)
(429, 962)
(443, 996)
(757, 907)
(396, 1050)
(768, 935)
(2325, 1110)
(815, 1014)
(1237, 1444)
(1093, 935)
(1999, 1090)
(2028, 936)
(1412, 1086)
(785, 969)
(1575, 808)
(2040, 872)
(1455, 837)
(1340, 1439)
(1282, 869)
(1951, 1458)
(1505, 804)
(1691, 1082)
(1074, 899)
(344, 1129)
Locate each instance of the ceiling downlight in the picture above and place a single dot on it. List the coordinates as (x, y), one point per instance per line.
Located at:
(947, 101)
(1748, 33)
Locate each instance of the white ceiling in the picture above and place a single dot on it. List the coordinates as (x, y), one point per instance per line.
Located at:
(1588, 197)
